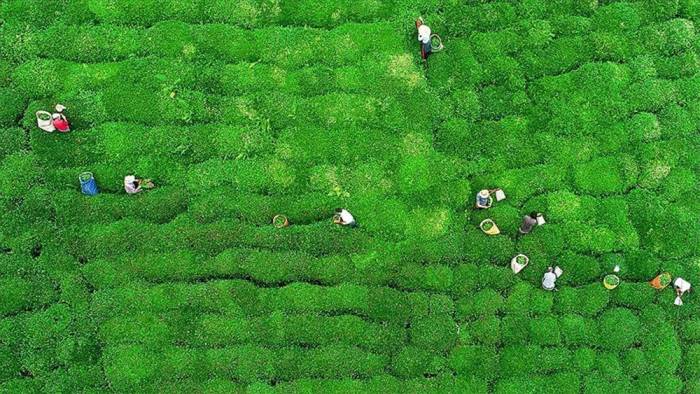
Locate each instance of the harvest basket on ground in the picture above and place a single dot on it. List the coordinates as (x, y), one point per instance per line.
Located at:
(44, 121)
(489, 227)
(661, 281)
(280, 221)
(611, 281)
(519, 262)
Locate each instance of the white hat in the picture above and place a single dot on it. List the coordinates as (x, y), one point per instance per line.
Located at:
(55, 116)
(484, 193)
(129, 179)
(424, 34)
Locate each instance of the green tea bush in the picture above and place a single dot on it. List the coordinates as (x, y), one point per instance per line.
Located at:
(478, 361)
(616, 17)
(691, 330)
(587, 300)
(680, 66)
(14, 141)
(19, 172)
(11, 104)
(412, 362)
(436, 332)
(618, 329)
(465, 279)
(16, 291)
(644, 126)
(634, 295)
(609, 366)
(577, 330)
(514, 330)
(489, 303)
(584, 111)
(524, 299)
(580, 269)
(650, 95)
(486, 331)
(605, 176)
(670, 37)
(463, 18)
(545, 331)
(691, 366)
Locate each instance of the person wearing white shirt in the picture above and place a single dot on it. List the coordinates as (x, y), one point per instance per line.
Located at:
(550, 277)
(682, 286)
(424, 33)
(133, 185)
(344, 218)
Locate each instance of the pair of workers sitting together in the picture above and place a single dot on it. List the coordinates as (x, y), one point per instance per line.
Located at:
(484, 200)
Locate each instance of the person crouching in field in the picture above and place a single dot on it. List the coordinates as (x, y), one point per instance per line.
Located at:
(529, 222)
(549, 280)
(59, 120)
(681, 286)
(134, 185)
(483, 199)
(426, 44)
(344, 218)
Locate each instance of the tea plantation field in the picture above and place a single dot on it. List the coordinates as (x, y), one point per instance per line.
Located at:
(585, 110)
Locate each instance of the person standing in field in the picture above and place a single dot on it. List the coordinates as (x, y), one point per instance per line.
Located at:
(426, 43)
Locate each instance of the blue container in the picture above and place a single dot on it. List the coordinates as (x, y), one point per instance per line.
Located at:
(87, 184)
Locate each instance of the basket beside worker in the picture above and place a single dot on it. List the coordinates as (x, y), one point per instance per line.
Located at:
(88, 186)
(280, 221)
(611, 281)
(489, 227)
(661, 281)
(519, 262)
(44, 121)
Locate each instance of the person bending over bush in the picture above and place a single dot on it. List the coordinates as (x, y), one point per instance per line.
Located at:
(484, 199)
(529, 222)
(344, 218)
(549, 280)
(134, 185)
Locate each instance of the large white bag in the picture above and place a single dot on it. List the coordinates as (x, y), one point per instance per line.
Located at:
(45, 121)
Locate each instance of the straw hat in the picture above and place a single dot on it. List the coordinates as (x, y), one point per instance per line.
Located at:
(484, 193)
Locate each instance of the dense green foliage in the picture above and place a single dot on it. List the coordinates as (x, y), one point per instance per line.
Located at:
(587, 111)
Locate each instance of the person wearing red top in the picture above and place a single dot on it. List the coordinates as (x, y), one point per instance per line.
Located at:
(60, 122)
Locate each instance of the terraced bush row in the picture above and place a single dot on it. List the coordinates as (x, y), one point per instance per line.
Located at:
(129, 143)
(43, 343)
(101, 241)
(161, 108)
(24, 286)
(344, 45)
(276, 330)
(280, 268)
(383, 268)
(51, 77)
(132, 367)
(239, 298)
(248, 14)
